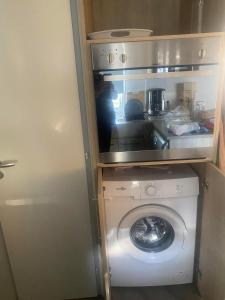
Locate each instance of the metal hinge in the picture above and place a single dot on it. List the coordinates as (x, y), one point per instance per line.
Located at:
(199, 273)
(205, 184)
(110, 273)
(86, 155)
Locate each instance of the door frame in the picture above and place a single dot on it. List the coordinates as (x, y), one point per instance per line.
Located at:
(88, 129)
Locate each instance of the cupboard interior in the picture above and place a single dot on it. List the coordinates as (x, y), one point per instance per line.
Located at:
(154, 14)
(209, 274)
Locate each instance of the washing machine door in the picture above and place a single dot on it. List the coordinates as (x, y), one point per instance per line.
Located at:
(152, 233)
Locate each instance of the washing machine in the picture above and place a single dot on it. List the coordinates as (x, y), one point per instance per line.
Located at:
(151, 224)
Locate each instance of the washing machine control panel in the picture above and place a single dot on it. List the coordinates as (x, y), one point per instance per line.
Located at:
(169, 188)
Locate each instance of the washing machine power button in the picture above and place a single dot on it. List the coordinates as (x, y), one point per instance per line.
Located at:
(151, 190)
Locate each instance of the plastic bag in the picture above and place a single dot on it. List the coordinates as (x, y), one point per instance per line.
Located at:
(180, 129)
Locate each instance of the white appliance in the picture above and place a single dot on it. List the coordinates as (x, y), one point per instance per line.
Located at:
(151, 224)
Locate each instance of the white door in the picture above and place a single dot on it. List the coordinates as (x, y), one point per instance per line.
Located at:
(44, 211)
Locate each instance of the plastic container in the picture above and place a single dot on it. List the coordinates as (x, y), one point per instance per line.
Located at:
(118, 33)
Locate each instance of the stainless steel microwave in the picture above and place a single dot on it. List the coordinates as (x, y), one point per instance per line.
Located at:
(156, 99)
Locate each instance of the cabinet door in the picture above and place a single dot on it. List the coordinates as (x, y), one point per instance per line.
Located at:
(211, 277)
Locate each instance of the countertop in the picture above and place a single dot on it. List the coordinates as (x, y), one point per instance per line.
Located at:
(160, 126)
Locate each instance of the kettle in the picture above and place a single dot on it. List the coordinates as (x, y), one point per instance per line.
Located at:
(155, 103)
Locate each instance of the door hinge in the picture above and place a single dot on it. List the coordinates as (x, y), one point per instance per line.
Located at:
(205, 184)
(199, 273)
(110, 273)
(86, 155)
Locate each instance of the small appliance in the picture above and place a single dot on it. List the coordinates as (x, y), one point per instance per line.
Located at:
(155, 103)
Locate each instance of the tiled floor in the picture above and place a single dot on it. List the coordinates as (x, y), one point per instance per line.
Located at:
(177, 292)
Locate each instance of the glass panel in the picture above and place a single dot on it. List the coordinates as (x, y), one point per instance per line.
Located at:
(152, 234)
(156, 108)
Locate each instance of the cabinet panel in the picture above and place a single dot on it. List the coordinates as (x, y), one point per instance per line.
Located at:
(211, 277)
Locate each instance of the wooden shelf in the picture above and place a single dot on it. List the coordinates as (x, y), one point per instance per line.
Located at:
(153, 163)
(154, 38)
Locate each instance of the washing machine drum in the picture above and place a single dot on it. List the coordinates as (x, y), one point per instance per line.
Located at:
(152, 233)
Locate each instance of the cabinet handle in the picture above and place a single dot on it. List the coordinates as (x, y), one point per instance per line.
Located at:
(7, 163)
(202, 53)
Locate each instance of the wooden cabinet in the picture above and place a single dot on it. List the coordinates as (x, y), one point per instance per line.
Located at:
(100, 15)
